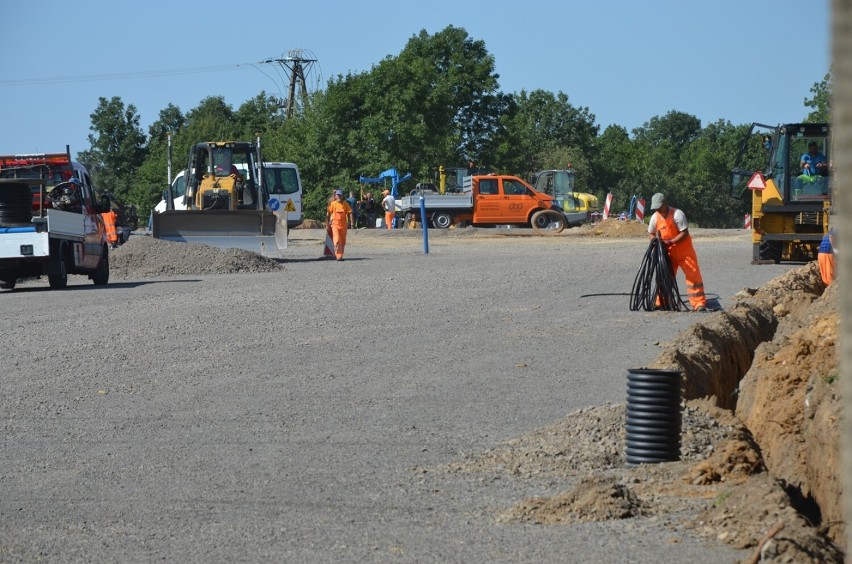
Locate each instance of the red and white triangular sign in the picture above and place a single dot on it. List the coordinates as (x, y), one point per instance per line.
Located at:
(756, 182)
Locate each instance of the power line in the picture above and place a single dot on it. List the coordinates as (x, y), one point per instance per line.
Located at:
(121, 75)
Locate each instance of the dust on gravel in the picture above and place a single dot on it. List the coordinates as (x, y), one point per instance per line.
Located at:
(145, 257)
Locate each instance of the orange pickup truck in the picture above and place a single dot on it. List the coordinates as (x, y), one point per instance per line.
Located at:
(487, 200)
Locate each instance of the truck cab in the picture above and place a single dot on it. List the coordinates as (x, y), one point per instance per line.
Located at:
(505, 200)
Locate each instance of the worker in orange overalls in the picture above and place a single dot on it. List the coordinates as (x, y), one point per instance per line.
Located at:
(389, 204)
(669, 224)
(825, 257)
(338, 214)
(110, 218)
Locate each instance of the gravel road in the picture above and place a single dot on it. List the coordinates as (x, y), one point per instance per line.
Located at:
(297, 415)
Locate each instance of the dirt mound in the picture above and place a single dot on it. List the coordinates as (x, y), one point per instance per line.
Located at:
(758, 514)
(593, 499)
(145, 257)
(310, 224)
(614, 228)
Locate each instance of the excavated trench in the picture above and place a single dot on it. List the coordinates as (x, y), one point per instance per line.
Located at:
(731, 357)
(759, 464)
(716, 354)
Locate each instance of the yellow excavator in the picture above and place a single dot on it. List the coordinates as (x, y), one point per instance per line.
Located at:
(561, 185)
(787, 169)
(226, 204)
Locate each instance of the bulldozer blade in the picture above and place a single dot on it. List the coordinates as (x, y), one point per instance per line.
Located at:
(259, 231)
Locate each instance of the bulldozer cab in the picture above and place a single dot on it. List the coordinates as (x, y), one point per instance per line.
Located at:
(223, 177)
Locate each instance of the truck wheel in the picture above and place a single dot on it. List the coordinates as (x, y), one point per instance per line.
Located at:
(101, 276)
(442, 219)
(8, 283)
(60, 280)
(548, 221)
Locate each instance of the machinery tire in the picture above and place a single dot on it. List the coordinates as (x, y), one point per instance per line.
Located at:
(770, 250)
(16, 205)
(101, 276)
(548, 222)
(60, 281)
(442, 219)
(8, 283)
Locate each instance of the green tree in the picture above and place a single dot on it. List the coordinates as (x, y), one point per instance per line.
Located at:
(258, 116)
(820, 102)
(537, 123)
(657, 149)
(614, 165)
(117, 146)
(703, 178)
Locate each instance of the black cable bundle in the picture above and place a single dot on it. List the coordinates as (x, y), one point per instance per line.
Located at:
(655, 278)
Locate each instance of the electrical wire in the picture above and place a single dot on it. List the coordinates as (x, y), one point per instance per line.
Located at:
(656, 279)
(119, 75)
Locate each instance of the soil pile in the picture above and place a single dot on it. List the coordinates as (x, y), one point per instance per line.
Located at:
(145, 257)
(764, 478)
(614, 228)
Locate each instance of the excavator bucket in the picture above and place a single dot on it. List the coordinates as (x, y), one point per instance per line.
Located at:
(259, 231)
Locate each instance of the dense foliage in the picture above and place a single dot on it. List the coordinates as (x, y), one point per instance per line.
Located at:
(437, 103)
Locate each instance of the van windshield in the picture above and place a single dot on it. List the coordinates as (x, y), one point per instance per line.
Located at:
(281, 181)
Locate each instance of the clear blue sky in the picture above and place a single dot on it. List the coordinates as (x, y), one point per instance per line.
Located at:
(626, 61)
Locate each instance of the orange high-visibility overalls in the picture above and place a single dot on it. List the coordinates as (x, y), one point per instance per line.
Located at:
(110, 218)
(682, 255)
(339, 212)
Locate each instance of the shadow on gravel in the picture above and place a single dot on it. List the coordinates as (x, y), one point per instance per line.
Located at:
(90, 287)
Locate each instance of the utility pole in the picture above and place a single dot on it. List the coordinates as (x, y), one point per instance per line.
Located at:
(296, 65)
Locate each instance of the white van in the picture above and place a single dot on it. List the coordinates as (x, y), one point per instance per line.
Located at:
(178, 190)
(284, 186)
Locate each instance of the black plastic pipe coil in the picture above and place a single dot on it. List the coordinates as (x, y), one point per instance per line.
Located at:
(655, 278)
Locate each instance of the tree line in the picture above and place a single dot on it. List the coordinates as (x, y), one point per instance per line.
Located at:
(436, 103)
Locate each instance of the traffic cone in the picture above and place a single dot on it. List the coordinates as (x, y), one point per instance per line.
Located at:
(328, 249)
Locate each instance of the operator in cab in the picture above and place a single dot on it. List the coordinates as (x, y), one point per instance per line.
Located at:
(814, 162)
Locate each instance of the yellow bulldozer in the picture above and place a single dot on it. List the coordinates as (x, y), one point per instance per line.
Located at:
(226, 204)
